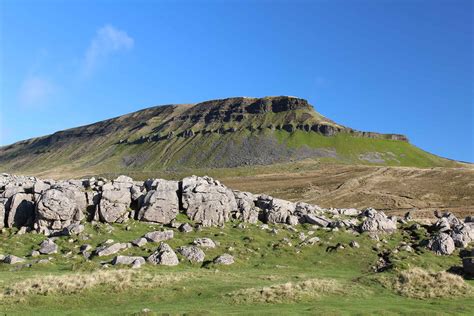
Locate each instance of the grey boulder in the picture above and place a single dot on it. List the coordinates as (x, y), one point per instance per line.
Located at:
(160, 205)
(224, 259)
(107, 250)
(204, 243)
(442, 244)
(21, 210)
(11, 259)
(158, 236)
(59, 207)
(48, 247)
(206, 201)
(128, 260)
(164, 255)
(192, 253)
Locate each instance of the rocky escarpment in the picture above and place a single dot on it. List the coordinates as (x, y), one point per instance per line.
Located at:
(221, 133)
(62, 207)
(253, 114)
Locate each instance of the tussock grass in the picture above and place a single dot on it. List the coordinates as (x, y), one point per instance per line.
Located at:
(116, 280)
(423, 284)
(287, 292)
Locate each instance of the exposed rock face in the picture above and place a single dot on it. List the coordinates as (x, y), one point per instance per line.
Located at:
(164, 255)
(2, 213)
(442, 244)
(207, 201)
(317, 220)
(275, 210)
(22, 210)
(462, 235)
(247, 210)
(377, 222)
(59, 207)
(161, 204)
(115, 200)
(192, 253)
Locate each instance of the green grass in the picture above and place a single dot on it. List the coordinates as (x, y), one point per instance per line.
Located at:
(349, 149)
(261, 260)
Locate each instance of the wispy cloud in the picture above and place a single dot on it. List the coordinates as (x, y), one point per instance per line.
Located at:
(108, 40)
(35, 91)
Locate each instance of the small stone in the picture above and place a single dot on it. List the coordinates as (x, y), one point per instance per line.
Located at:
(204, 242)
(354, 244)
(192, 253)
(164, 255)
(225, 259)
(11, 259)
(139, 242)
(48, 247)
(158, 236)
(185, 228)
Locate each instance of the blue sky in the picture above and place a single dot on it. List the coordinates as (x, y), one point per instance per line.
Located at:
(385, 66)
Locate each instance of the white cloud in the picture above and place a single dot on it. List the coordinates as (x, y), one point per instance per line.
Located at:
(35, 91)
(107, 41)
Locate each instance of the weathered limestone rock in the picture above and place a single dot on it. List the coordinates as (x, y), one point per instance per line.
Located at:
(186, 228)
(247, 211)
(11, 259)
(158, 236)
(59, 207)
(128, 260)
(2, 212)
(462, 235)
(302, 209)
(317, 220)
(349, 211)
(192, 253)
(160, 205)
(442, 244)
(275, 210)
(204, 243)
(164, 255)
(207, 201)
(139, 242)
(48, 247)
(73, 229)
(115, 200)
(377, 222)
(21, 210)
(224, 259)
(107, 250)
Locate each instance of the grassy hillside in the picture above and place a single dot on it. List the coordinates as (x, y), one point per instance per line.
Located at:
(264, 280)
(229, 133)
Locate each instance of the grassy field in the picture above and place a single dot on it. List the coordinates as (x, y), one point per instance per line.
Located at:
(271, 276)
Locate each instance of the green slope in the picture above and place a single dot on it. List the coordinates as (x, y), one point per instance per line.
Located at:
(228, 133)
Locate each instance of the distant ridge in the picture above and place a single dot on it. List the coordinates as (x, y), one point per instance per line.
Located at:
(224, 133)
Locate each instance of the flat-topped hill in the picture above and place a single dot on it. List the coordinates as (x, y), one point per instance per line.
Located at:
(221, 133)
